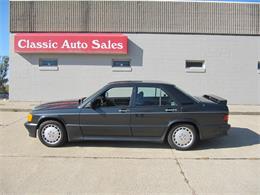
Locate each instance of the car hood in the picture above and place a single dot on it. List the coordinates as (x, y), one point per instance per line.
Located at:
(66, 104)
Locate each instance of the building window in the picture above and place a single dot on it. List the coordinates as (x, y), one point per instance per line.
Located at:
(195, 66)
(258, 67)
(48, 64)
(121, 65)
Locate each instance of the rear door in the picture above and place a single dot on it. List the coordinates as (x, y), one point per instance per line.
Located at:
(153, 109)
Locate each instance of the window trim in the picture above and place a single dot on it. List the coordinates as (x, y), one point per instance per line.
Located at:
(47, 68)
(195, 69)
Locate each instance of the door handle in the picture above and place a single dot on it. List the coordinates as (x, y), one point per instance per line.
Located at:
(170, 110)
(123, 110)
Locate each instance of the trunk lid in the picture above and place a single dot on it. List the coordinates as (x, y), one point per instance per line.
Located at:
(211, 99)
(213, 103)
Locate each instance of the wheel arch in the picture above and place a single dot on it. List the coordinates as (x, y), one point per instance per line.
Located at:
(52, 118)
(184, 121)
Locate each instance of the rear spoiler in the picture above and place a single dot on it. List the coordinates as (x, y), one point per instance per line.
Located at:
(216, 99)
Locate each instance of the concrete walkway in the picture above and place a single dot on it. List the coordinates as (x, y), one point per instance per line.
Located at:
(228, 165)
(20, 106)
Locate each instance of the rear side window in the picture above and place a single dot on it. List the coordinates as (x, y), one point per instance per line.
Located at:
(153, 96)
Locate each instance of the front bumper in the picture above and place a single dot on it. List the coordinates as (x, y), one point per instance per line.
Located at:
(32, 128)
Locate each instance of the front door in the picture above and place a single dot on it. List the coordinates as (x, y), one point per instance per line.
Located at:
(111, 117)
(152, 111)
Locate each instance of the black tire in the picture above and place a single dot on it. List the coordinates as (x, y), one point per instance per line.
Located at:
(182, 137)
(52, 133)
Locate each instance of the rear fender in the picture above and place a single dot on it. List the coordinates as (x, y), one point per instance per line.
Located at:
(179, 121)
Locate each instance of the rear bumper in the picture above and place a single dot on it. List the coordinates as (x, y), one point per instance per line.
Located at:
(212, 131)
(32, 128)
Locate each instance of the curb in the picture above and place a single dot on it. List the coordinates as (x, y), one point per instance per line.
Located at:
(29, 110)
(15, 110)
(244, 113)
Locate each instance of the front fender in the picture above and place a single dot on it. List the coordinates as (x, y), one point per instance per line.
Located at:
(50, 117)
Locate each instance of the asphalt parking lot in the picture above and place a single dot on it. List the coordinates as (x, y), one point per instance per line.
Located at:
(226, 165)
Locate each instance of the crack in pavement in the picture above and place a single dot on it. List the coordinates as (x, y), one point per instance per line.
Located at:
(185, 177)
(186, 180)
(12, 123)
(124, 157)
(84, 157)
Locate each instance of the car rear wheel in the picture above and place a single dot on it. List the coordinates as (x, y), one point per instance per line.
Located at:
(52, 133)
(182, 137)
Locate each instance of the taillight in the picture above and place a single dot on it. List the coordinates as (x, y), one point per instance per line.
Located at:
(226, 118)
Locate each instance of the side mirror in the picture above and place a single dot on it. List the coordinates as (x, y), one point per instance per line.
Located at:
(96, 103)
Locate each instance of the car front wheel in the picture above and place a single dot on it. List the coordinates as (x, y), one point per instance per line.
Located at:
(52, 133)
(182, 137)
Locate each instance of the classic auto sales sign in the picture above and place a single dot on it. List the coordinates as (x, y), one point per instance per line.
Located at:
(71, 43)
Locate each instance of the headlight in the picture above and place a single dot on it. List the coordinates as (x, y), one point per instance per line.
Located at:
(29, 117)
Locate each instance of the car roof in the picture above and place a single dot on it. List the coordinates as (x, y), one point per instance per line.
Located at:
(139, 82)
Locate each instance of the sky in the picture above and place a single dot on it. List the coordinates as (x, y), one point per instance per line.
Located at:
(4, 23)
(4, 30)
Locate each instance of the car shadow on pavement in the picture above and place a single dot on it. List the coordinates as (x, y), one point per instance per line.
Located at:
(237, 137)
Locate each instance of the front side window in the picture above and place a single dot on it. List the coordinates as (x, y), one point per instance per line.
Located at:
(118, 96)
(152, 96)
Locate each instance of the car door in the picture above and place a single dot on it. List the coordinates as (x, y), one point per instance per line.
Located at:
(111, 117)
(153, 109)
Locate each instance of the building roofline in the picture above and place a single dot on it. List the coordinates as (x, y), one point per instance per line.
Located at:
(195, 1)
(191, 17)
